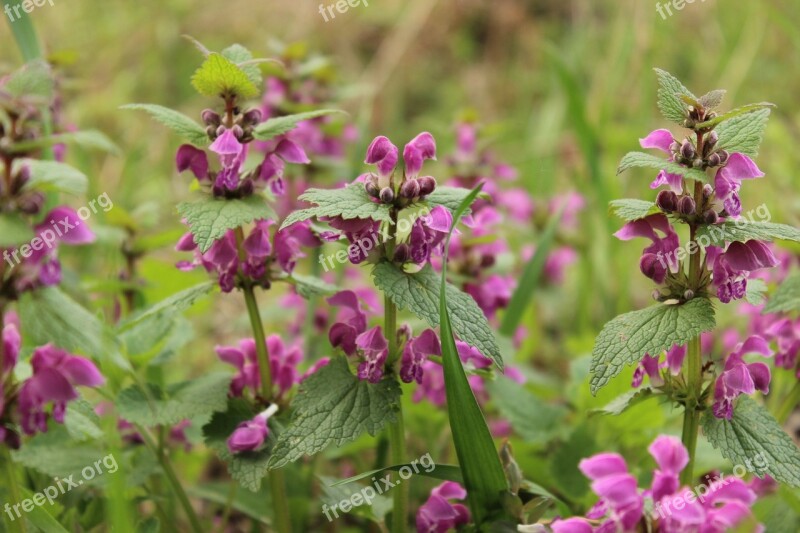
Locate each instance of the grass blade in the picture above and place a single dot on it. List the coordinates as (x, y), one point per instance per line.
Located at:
(24, 34)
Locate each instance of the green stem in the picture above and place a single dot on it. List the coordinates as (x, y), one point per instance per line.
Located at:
(400, 492)
(172, 477)
(261, 343)
(789, 404)
(13, 488)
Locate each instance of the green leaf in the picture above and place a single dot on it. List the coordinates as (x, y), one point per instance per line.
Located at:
(24, 34)
(743, 133)
(176, 121)
(91, 139)
(743, 231)
(50, 316)
(54, 453)
(55, 176)
(251, 504)
(219, 76)
(238, 54)
(712, 99)
(626, 339)
(309, 286)
(347, 202)
(210, 218)
(483, 473)
(756, 293)
(14, 230)
(749, 108)
(169, 307)
(449, 197)
(623, 402)
(200, 396)
(334, 407)
(441, 471)
(35, 79)
(279, 125)
(523, 294)
(534, 420)
(632, 209)
(754, 437)
(248, 468)
(670, 103)
(40, 516)
(81, 421)
(642, 159)
(419, 293)
(786, 297)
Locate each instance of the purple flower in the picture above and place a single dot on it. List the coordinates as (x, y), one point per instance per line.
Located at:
(384, 155)
(729, 178)
(572, 525)
(351, 322)
(620, 503)
(11, 345)
(283, 365)
(740, 377)
(428, 234)
(671, 457)
(227, 147)
(250, 435)
(56, 373)
(420, 148)
(660, 256)
(438, 514)
(415, 353)
(374, 348)
(662, 140)
(194, 159)
(786, 334)
(732, 267)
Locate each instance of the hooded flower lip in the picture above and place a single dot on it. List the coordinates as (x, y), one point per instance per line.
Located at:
(415, 354)
(428, 234)
(620, 500)
(661, 140)
(740, 377)
(352, 321)
(383, 154)
(658, 257)
(194, 159)
(732, 267)
(671, 457)
(420, 148)
(375, 349)
(250, 435)
(728, 180)
(438, 514)
(227, 147)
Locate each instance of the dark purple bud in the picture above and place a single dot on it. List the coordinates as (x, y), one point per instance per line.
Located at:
(723, 156)
(211, 131)
(487, 261)
(427, 184)
(675, 147)
(251, 118)
(401, 253)
(650, 266)
(220, 130)
(712, 139)
(687, 150)
(713, 160)
(30, 203)
(686, 206)
(667, 201)
(247, 187)
(409, 189)
(710, 217)
(371, 186)
(210, 118)
(237, 131)
(387, 195)
(708, 190)
(697, 163)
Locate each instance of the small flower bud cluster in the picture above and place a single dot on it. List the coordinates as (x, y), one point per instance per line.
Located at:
(685, 206)
(410, 191)
(696, 115)
(686, 153)
(243, 124)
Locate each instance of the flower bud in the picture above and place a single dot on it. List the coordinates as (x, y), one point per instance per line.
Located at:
(247, 187)
(401, 253)
(488, 261)
(723, 156)
(687, 150)
(409, 189)
(708, 190)
(688, 294)
(371, 185)
(211, 131)
(237, 131)
(686, 206)
(210, 117)
(712, 139)
(649, 265)
(697, 163)
(251, 118)
(713, 160)
(427, 184)
(387, 195)
(667, 201)
(656, 295)
(675, 147)
(710, 217)
(220, 130)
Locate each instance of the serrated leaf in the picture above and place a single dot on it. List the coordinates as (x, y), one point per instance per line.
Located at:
(334, 407)
(238, 54)
(35, 79)
(210, 218)
(449, 197)
(642, 159)
(81, 421)
(419, 293)
(50, 316)
(347, 202)
(756, 293)
(279, 125)
(742, 231)
(91, 139)
(309, 286)
(754, 437)
(176, 121)
(749, 108)
(248, 468)
(55, 176)
(743, 134)
(200, 396)
(54, 453)
(712, 99)
(169, 307)
(630, 209)
(628, 337)
(533, 419)
(14, 230)
(670, 91)
(623, 402)
(219, 76)
(786, 297)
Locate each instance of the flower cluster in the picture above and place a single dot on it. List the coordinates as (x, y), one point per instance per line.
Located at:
(716, 507)
(382, 186)
(283, 361)
(438, 514)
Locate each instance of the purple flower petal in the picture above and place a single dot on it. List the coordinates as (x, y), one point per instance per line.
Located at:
(194, 159)
(659, 139)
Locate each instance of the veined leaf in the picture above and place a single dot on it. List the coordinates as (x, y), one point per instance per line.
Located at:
(219, 76)
(35, 79)
(749, 108)
(670, 91)
(632, 209)
(55, 176)
(743, 133)
(347, 202)
(743, 231)
(176, 121)
(623, 402)
(786, 297)
(210, 218)
(279, 125)
(642, 159)
(449, 197)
